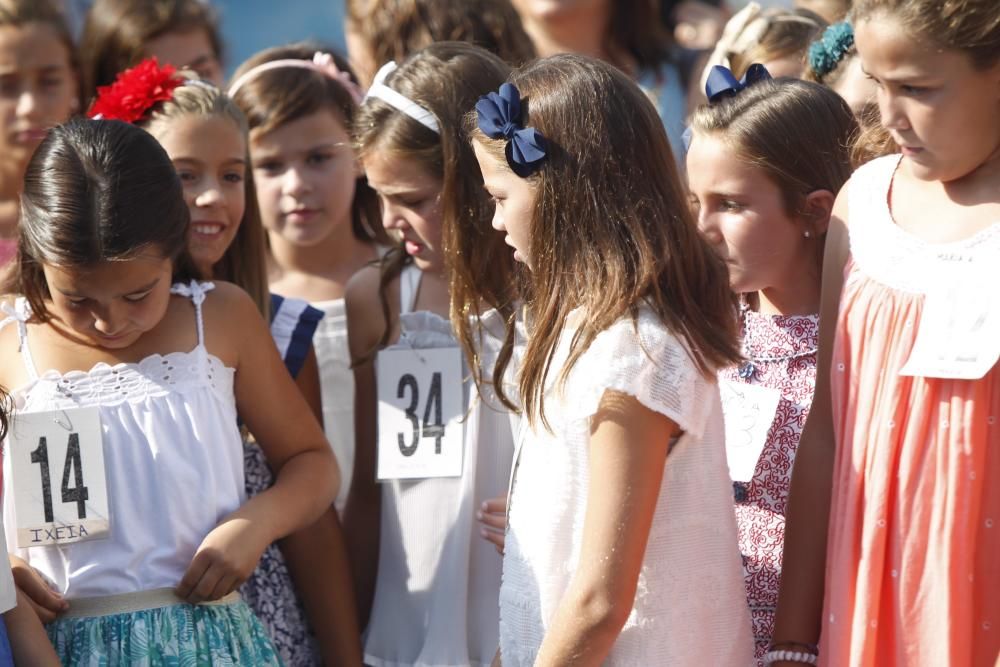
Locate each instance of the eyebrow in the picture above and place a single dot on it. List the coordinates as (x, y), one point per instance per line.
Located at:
(235, 160)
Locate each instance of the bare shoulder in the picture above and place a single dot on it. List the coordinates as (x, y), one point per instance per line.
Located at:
(366, 318)
(231, 320)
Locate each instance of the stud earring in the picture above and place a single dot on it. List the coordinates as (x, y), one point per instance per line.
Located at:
(807, 234)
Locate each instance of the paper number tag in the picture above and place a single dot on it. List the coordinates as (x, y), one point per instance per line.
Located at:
(748, 410)
(419, 413)
(959, 334)
(57, 470)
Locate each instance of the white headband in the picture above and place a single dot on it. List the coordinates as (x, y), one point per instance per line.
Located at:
(400, 102)
(321, 62)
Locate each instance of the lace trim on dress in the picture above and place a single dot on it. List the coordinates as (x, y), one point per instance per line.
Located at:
(884, 251)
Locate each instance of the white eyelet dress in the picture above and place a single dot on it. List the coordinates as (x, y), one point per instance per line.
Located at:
(438, 580)
(690, 605)
(174, 467)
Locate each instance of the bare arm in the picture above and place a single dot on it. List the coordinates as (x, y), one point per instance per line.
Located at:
(290, 437)
(628, 450)
(28, 641)
(365, 324)
(800, 602)
(317, 561)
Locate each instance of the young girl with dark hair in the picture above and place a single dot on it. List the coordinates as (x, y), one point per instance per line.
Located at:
(429, 579)
(129, 374)
(621, 543)
(763, 168)
(205, 135)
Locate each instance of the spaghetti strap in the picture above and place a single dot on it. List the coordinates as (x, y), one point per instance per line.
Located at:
(195, 291)
(409, 285)
(20, 312)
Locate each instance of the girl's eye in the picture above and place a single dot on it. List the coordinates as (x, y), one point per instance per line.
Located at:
(187, 176)
(913, 90)
(76, 303)
(730, 205)
(269, 167)
(51, 82)
(233, 177)
(136, 298)
(319, 158)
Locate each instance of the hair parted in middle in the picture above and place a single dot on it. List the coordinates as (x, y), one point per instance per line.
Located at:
(447, 78)
(611, 227)
(97, 191)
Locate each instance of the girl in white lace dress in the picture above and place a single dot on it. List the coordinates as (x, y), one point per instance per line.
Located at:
(114, 351)
(621, 545)
(430, 580)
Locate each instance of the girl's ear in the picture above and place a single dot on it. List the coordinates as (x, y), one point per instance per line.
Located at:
(817, 210)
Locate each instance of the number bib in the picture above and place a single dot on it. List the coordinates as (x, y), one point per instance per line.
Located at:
(420, 432)
(749, 410)
(40, 445)
(959, 335)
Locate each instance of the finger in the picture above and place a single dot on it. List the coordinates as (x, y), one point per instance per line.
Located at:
(224, 587)
(493, 521)
(196, 570)
(497, 539)
(39, 592)
(494, 506)
(203, 590)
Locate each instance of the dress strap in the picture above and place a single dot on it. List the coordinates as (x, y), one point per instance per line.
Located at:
(195, 291)
(409, 285)
(20, 312)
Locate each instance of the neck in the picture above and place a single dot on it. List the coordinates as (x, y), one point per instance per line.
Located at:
(581, 31)
(801, 299)
(339, 248)
(10, 186)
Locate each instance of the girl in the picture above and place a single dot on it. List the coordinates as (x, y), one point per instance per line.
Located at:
(378, 31)
(621, 509)
(148, 377)
(430, 581)
(628, 34)
(38, 89)
(205, 135)
(321, 217)
(763, 169)
(903, 428)
(834, 62)
(117, 34)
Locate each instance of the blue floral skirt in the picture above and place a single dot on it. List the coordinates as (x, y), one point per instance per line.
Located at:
(180, 634)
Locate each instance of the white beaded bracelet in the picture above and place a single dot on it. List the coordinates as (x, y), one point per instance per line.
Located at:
(772, 657)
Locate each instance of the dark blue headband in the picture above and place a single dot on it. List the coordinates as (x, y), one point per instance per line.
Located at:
(499, 116)
(721, 82)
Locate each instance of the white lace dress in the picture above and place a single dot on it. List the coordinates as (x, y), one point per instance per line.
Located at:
(690, 607)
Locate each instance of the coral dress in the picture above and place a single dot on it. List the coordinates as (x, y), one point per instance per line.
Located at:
(912, 560)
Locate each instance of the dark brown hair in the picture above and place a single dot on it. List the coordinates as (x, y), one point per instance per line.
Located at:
(611, 228)
(446, 78)
(22, 12)
(97, 191)
(638, 30)
(115, 34)
(395, 29)
(798, 133)
(276, 97)
(244, 262)
(971, 26)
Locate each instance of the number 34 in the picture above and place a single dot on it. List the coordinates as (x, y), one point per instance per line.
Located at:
(430, 429)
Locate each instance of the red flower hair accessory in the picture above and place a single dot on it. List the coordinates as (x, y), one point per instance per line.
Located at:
(135, 91)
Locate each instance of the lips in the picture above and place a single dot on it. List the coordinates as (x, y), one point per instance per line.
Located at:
(32, 135)
(207, 228)
(412, 247)
(300, 215)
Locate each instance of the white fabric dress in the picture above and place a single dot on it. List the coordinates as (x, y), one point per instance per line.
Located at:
(336, 381)
(690, 606)
(438, 580)
(173, 458)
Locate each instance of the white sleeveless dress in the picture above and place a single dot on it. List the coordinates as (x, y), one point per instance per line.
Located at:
(438, 580)
(174, 467)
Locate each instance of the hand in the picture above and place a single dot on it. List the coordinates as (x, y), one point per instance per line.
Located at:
(226, 558)
(46, 602)
(492, 515)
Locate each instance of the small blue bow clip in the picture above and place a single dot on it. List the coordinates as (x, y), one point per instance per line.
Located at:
(499, 116)
(721, 82)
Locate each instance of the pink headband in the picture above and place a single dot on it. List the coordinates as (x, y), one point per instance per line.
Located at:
(321, 62)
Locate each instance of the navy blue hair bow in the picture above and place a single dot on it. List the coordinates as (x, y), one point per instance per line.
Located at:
(721, 82)
(499, 116)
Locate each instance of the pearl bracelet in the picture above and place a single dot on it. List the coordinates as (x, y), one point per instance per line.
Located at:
(772, 657)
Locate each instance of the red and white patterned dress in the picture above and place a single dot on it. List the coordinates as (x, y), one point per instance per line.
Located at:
(782, 350)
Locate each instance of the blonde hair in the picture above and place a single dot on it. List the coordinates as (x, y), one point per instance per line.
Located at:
(244, 260)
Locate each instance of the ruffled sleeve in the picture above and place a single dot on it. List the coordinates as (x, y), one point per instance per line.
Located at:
(293, 325)
(645, 360)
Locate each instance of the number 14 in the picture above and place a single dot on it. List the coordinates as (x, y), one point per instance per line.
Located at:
(70, 494)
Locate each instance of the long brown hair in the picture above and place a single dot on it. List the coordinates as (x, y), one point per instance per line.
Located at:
(97, 191)
(446, 78)
(115, 34)
(788, 35)
(244, 261)
(395, 29)
(276, 97)
(611, 228)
